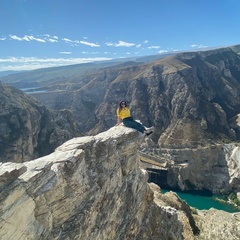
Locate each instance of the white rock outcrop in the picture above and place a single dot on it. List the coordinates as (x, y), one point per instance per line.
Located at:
(89, 188)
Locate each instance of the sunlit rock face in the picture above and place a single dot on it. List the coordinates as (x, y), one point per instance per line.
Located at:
(89, 188)
(218, 225)
(92, 188)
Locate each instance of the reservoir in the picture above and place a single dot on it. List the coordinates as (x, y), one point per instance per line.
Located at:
(204, 202)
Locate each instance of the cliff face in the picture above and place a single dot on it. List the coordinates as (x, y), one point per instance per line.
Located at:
(193, 101)
(28, 129)
(89, 188)
(92, 188)
(215, 168)
(191, 98)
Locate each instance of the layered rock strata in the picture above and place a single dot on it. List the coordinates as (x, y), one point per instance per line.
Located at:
(214, 167)
(89, 188)
(92, 188)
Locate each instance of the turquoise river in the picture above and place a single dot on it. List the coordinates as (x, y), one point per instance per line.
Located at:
(204, 201)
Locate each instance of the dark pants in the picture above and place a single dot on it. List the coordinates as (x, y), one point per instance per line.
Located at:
(131, 123)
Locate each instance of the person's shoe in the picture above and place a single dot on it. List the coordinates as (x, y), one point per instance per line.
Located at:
(148, 133)
(149, 129)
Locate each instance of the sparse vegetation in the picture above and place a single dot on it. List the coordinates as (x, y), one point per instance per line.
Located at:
(194, 210)
(234, 199)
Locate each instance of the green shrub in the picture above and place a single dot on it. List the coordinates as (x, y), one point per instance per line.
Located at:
(233, 197)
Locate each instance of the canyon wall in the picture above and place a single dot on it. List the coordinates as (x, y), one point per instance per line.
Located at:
(214, 167)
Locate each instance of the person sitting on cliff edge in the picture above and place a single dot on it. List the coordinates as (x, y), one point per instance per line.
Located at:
(124, 114)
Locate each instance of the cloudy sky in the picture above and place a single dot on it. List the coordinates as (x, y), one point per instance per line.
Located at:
(45, 33)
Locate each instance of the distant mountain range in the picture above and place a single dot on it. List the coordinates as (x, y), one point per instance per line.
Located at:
(44, 76)
(5, 73)
(191, 98)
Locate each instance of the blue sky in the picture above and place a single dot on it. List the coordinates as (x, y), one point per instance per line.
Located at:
(45, 33)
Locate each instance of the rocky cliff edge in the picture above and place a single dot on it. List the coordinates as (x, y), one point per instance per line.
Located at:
(90, 188)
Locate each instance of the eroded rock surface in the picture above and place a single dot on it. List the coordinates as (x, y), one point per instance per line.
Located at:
(214, 167)
(89, 188)
(92, 188)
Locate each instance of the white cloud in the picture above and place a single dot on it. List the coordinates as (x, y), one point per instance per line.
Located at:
(109, 44)
(124, 44)
(89, 44)
(67, 40)
(19, 64)
(52, 40)
(27, 38)
(14, 37)
(90, 52)
(41, 38)
(163, 51)
(198, 46)
(71, 42)
(65, 52)
(2, 38)
(154, 47)
(120, 44)
(31, 38)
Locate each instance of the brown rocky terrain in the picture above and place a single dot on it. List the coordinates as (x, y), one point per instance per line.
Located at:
(191, 98)
(193, 101)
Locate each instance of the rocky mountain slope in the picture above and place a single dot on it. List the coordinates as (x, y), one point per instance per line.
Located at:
(197, 91)
(92, 187)
(193, 101)
(191, 98)
(45, 76)
(28, 129)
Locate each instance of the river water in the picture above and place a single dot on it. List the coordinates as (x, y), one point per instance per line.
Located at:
(197, 199)
(204, 201)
